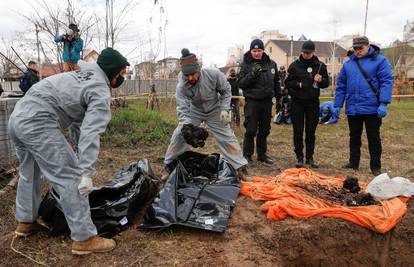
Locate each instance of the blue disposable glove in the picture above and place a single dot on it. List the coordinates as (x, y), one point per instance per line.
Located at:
(335, 112)
(332, 121)
(382, 110)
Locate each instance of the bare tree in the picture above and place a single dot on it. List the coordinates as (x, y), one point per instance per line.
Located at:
(10, 65)
(116, 20)
(52, 18)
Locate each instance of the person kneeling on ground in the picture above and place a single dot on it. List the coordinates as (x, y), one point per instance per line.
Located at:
(203, 95)
(283, 109)
(326, 113)
(36, 127)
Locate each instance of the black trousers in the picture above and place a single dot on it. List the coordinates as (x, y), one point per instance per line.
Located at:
(305, 116)
(372, 128)
(257, 120)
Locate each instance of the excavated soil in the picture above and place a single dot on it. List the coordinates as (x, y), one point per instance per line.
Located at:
(250, 240)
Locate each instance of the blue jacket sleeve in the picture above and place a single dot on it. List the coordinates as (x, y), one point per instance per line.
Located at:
(340, 90)
(386, 81)
(58, 38)
(78, 45)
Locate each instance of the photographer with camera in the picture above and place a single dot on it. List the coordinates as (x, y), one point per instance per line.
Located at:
(72, 47)
(259, 80)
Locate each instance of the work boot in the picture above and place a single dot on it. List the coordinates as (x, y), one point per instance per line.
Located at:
(265, 159)
(311, 163)
(26, 229)
(249, 160)
(243, 173)
(349, 165)
(376, 172)
(93, 244)
(299, 163)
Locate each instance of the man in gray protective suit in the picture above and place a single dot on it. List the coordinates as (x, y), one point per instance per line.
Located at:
(36, 126)
(203, 95)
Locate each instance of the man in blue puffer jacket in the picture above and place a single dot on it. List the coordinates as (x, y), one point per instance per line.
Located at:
(365, 103)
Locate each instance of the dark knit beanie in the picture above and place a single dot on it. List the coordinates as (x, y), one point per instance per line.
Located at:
(111, 62)
(256, 44)
(308, 46)
(189, 62)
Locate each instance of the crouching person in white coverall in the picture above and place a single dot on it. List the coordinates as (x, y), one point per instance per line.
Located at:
(36, 126)
(204, 95)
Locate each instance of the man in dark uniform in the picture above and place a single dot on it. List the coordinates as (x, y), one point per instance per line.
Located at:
(235, 102)
(259, 80)
(305, 76)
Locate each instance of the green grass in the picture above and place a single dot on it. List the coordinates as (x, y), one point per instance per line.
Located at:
(136, 125)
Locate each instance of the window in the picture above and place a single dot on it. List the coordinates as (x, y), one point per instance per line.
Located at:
(340, 60)
(270, 50)
(327, 60)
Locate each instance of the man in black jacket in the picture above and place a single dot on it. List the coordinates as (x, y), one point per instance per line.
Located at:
(305, 76)
(235, 102)
(30, 77)
(259, 81)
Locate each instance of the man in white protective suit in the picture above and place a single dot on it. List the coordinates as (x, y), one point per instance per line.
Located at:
(73, 99)
(204, 95)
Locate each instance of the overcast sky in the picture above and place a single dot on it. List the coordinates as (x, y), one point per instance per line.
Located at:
(210, 27)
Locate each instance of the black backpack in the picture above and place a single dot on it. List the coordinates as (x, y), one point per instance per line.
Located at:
(24, 80)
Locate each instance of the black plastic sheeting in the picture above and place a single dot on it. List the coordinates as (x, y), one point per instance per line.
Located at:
(199, 193)
(113, 205)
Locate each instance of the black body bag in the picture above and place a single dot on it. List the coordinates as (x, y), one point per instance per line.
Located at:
(113, 205)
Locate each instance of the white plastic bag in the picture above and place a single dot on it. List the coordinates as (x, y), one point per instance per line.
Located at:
(383, 187)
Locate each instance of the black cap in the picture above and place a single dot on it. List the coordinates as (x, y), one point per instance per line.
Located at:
(73, 27)
(308, 46)
(360, 41)
(257, 44)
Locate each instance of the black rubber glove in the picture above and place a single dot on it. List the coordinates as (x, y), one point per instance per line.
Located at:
(256, 69)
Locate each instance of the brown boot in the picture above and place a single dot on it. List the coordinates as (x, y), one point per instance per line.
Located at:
(93, 244)
(26, 229)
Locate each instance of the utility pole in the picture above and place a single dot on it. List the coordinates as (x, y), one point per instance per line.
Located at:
(291, 48)
(366, 16)
(38, 51)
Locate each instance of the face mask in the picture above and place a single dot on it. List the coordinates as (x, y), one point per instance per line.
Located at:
(118, 81)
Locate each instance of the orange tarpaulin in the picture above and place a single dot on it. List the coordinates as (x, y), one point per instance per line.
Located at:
(284, 195)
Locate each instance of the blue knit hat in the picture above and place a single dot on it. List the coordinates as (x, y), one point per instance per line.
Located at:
(256, 44)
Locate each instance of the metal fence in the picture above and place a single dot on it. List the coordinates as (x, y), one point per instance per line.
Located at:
(128, 87)
(10, 86)
(134, 87)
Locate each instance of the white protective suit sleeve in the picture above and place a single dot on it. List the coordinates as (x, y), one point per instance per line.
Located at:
(224, 89)
(183, 105)
(97, 117)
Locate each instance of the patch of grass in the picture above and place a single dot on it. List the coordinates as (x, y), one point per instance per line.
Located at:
(136, 125)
